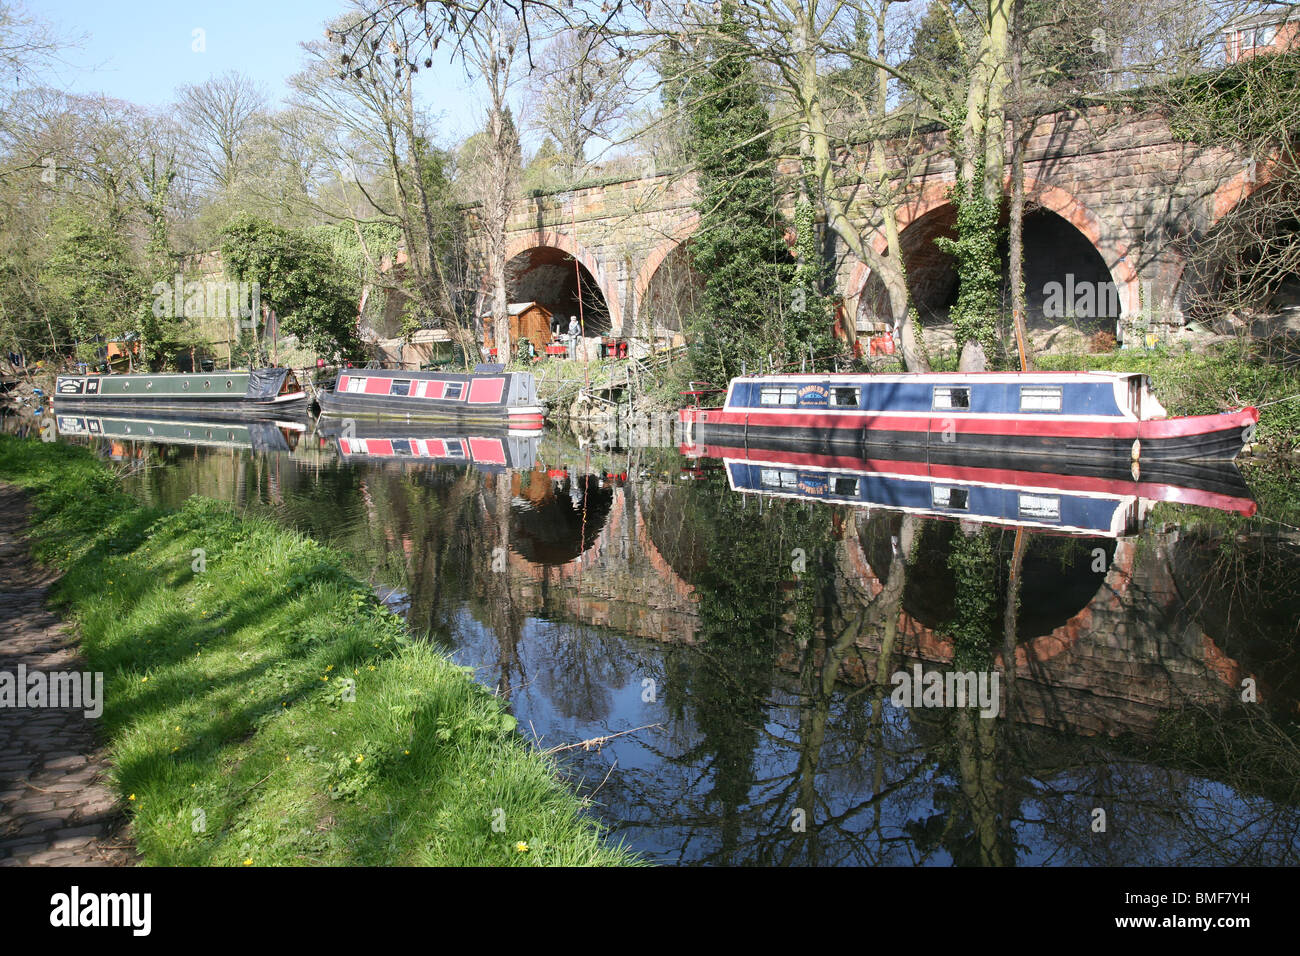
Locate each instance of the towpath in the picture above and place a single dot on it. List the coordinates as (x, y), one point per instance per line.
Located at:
(56, 808)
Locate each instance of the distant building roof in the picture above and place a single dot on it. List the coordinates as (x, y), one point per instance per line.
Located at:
(518, 308)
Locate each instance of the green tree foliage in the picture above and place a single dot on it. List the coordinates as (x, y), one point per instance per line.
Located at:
(738, 248)
(979, 265)
(806, 324)
(976, 568)
(93, 281)
(310, 291)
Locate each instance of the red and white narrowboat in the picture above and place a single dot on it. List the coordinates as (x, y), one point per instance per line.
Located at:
(488, 450)
(489, 396)
(1078, 415)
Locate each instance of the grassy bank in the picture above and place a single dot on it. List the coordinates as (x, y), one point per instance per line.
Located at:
(227, 644)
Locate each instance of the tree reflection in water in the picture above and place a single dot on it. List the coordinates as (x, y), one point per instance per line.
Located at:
(597, 606)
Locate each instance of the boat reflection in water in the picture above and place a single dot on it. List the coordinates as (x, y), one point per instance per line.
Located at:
(492, 450)
(261, 436)
(1094, 498)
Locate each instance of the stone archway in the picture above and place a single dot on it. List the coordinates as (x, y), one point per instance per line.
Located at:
(933, 198)
(666, 254)
(540, 265)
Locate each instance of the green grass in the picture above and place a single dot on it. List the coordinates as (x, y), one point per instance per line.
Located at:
(227, 718)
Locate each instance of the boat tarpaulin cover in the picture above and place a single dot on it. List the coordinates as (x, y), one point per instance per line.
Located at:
(265, 382)
(266, 437)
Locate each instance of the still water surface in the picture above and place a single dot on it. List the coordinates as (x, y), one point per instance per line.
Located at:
(737, 649)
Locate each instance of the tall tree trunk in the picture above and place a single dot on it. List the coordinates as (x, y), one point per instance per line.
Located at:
(1017, 231)
(887, 268)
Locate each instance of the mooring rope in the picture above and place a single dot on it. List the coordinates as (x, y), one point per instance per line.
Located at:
(1279, 401)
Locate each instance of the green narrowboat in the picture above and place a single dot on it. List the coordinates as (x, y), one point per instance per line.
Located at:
(238, 392)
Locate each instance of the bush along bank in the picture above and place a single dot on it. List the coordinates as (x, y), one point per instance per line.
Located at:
(261, 707)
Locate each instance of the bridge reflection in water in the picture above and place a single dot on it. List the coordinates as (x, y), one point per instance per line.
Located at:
(750, 611)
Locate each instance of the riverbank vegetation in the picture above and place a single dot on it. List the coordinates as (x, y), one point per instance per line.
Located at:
(263, 708)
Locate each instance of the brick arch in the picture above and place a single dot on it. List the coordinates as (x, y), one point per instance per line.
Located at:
(1237, 189)
(933, 646)
(934, 196)
(522, 242)
(661, 252)
(1230, 194)
(574, 566)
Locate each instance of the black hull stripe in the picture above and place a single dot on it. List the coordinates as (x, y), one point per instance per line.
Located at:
(236, 409)
(1215, 446)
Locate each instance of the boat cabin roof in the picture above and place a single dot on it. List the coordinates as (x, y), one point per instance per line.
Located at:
(940, 378)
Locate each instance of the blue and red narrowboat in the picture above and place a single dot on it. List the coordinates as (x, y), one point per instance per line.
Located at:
(1078, 415)
(1109, 500)
(489, 396)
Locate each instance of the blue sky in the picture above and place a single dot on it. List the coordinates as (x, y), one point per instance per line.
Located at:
(143, 51)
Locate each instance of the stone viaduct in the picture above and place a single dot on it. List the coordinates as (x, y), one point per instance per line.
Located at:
(1125, 656)
(1113, 196)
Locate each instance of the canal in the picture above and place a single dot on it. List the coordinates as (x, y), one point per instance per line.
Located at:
(755, 672)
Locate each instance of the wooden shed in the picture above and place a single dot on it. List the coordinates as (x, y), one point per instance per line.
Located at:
(528, 320)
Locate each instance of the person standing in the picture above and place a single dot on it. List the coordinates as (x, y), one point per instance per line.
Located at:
(575, 332)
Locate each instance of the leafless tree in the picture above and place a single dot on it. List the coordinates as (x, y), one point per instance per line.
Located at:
(580, 93)
(222, 114)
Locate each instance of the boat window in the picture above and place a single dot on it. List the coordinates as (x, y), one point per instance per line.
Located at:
(356, 384)
(954, 499)
(951, 396)
(846, 487)
(454, 390)
(1040, 507)
(455, 449)
(847, 397)
(400, 386)
(1040, 398)
(776, 478)
(779, 395)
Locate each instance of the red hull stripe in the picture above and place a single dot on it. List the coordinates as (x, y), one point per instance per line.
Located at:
(1199, 424)
(956, 424)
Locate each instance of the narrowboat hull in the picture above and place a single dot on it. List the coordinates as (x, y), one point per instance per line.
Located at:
(1103, 500)
(488, 450)
(1090, 417)
(258, 434)
(501, 399)
(231, 395)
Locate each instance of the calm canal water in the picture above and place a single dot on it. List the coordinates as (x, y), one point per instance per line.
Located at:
(738, 649)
